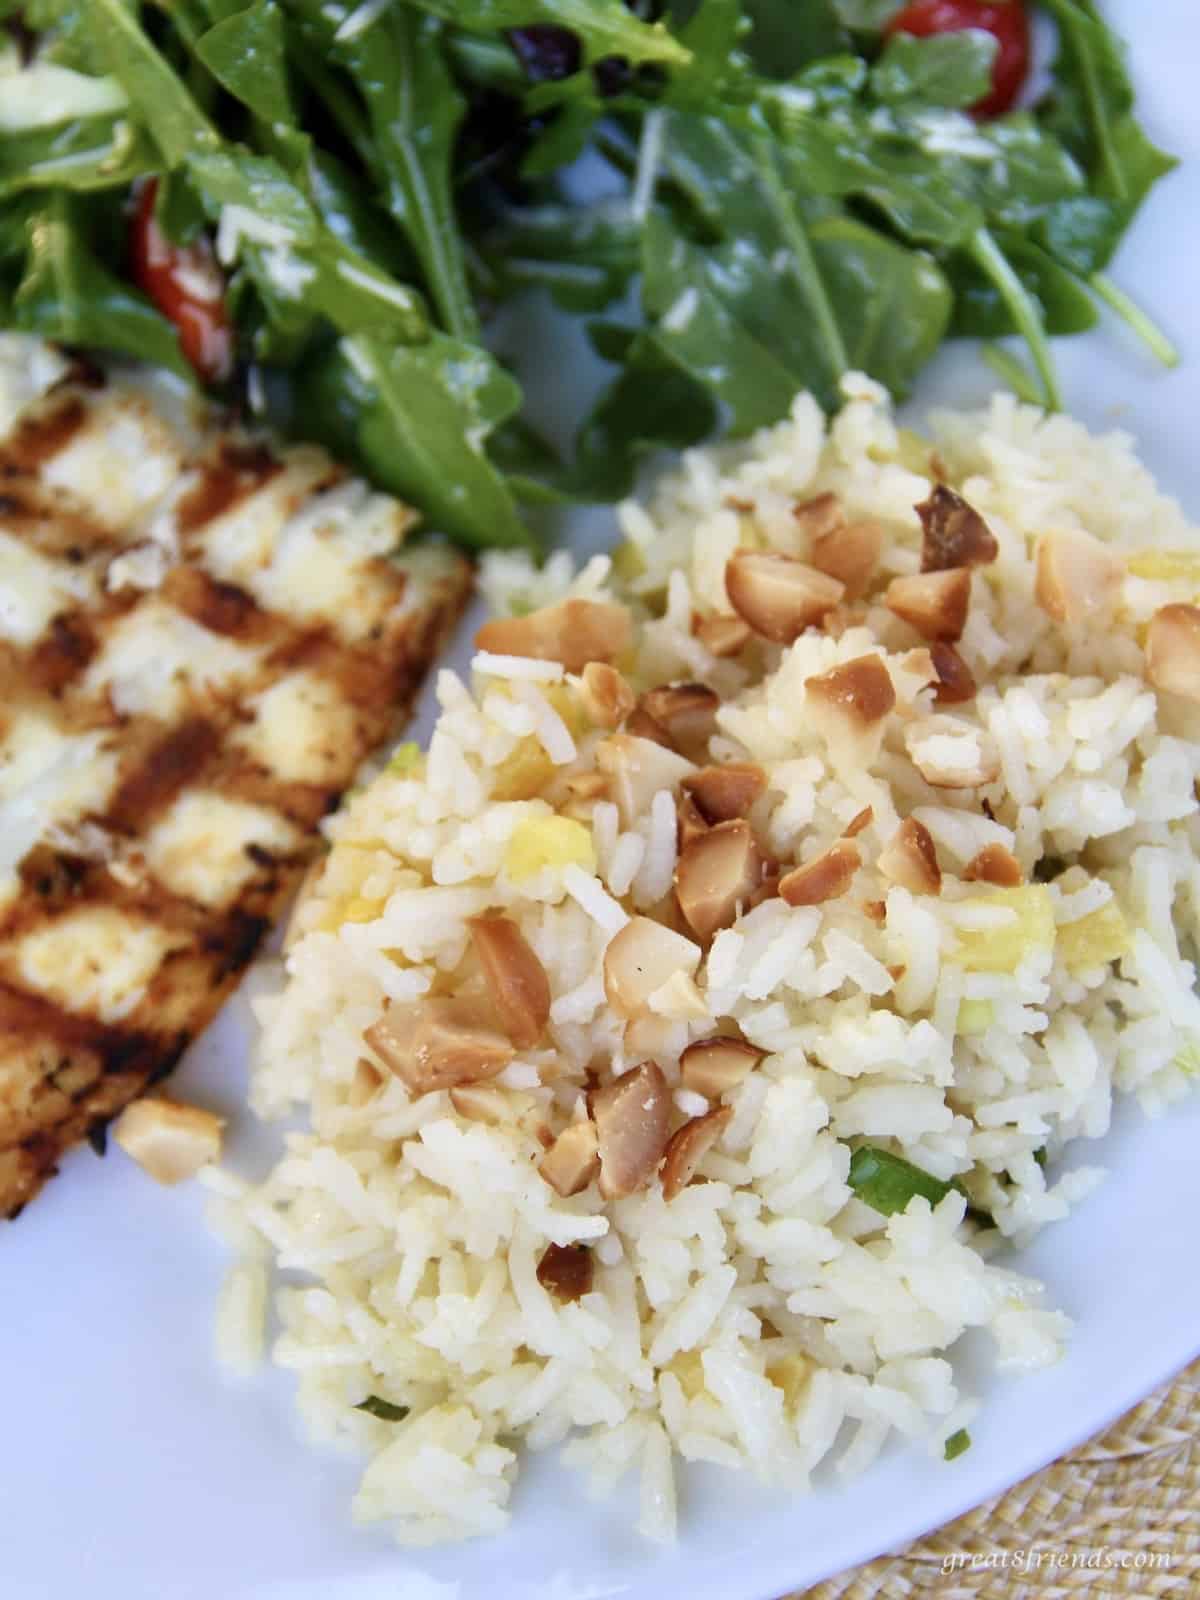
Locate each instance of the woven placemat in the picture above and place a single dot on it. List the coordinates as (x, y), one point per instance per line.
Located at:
(1119, 1516)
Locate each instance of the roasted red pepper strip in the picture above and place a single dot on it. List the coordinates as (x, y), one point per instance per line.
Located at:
(187, 286)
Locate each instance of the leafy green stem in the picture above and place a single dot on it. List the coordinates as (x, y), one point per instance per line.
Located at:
(1075, 23)
(1132, 314)
(1023, 309)
(1013, 372)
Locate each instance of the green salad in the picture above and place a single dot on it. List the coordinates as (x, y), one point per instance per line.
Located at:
(317, 207)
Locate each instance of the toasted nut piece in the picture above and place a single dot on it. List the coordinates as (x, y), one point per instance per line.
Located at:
(715, 874)
(679, 1000)
(955, 680)
(777, 595)
(572, 631)
(642, 725)
(686, 710)
(481, 1102)
(365, 1083)
(934, 603)
(860, 690)
(850, 554)
(649, 1035)
(606, 696)
(725, 792)
(691, 823)
(436, 1043)
(632, 1117)
(876, 910)
(955, 534)
(640, 959)
(861, 819)
(712, 1067)
(826, 878)
(723, 636)
(911, 859)
(820, 515)
(950, 754)
(639, 768)
(1173, 650)
(573, 1160)
(994, 864)
(1077, 576)
(516, 979)
(168, 1140)
(586, 786)
(688, 1147)
(566, 1271)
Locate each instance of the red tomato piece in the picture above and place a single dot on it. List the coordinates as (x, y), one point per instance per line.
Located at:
(187, 286)
(1007, 22)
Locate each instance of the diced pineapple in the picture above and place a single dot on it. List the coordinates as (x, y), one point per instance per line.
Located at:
(1094, 940)
(548, 842)
(407, 760)
(791, 1374)
(1004, 947)
(563, 699)
(688, 1368)
(1166, 566)
(523, 773)
(357, 908)
(975, 1017)
(628, 562)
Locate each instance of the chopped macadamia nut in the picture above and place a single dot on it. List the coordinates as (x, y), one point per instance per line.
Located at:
(516, 979)
(934, 603)
(606, 696)
(820, 515)
(825, 878)
(717, 873)
(572, 632)
(777, 595)
(586, 786)
(679, 999)
(1078, 577)
(642, 725)
(632, 1116)
(859, 691)
(482, 1102)
(1173, 650)
(638, 769)
(167, 1139)
(860, 820)
(997, 865)
(850, 554)
(726, 792)
(712, 1067)
(688, 1147)
(437, 1043)
(910, 859)
(955, 534)
(566, 1271)
(723, 636)
(686, 710)
(640, 959)
(950, 754)
(955, 682)
(691, 823)
(573, 1160)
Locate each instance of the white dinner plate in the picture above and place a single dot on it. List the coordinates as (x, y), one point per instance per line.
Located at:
(135, 1470)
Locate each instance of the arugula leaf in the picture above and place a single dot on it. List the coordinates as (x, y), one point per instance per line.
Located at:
(155, 90)
(785, 37)
(584, 256)
(67, 294)
(416, 418)
(604, 27)
(245, 54)
(949, 69)
(415, 111)
(981, 311)
(97, 153)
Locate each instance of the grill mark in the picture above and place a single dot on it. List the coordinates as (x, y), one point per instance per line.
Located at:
(220, 607)
(39, 438)
(175, 760)
(236, 473)
(31, 1016)
(62, 653)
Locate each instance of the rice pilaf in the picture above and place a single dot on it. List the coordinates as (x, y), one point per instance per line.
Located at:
(683, 1034)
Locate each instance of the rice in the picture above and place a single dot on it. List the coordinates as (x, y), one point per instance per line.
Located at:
(767, 1318)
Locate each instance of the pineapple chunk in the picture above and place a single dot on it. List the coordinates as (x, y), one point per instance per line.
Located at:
(524, 772)
(548, 842)
(1003, 948)
(407, 760)
(568, 707)
(1166, 566)
(688, 1368)
(356, 908)
(975, 1017)
(791, 1374)
(1094, 940)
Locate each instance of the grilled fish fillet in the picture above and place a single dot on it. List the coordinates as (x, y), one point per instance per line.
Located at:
(201, 639)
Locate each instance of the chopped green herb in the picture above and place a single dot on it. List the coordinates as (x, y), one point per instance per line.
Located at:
(374, 1406)
(405, 758)
(1040, 1156)
(887, 1182)
(957, 1443)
